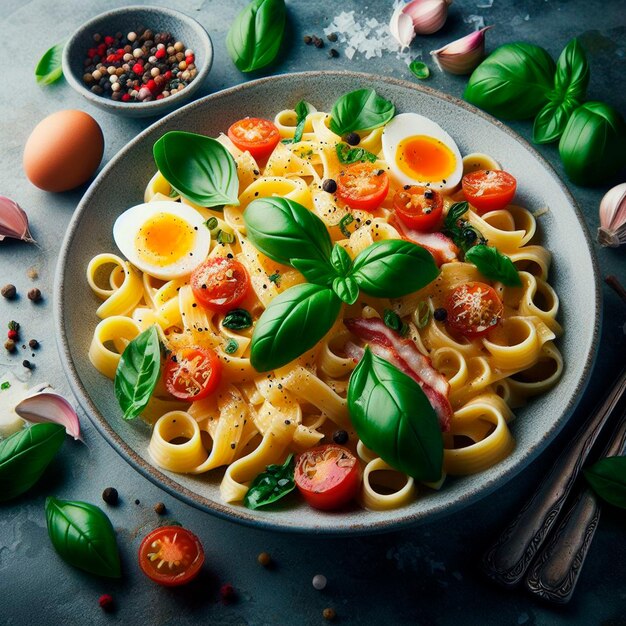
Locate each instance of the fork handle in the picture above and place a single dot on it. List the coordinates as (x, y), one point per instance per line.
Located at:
(507, 560)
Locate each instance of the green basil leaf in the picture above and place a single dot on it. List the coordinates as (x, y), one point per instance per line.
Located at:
(198, 167)
(348, 155)
(607, 478)
(393, 268)
(552, 120)
(271, 485)
(255, 36)
(394, 418)
(362, 109)
(302, 109)
(494, 265)
(292, 324)
(592, 144)
(394, 321)
(346, 288)
(513, 82)
(420, 70)
(83, 536)
(341, 260)
(237, 319)
(344, 222)
(49, 68)
(455, 212)
(572, 72)
(25, 455)
(138, 373)
(316, 272)
(283, 230)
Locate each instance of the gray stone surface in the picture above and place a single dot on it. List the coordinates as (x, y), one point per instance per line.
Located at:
(428, 575)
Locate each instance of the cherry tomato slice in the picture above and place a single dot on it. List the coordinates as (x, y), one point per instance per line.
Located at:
(327, 476)
(220, 284)
(171, 556)
(489, 190)
(256, 135)
(473, 309)
(420, 208)
(192, 373)
(362, 186)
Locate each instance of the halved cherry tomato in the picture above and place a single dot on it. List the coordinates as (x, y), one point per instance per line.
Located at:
(420, 208)
(489, 190)
(192, 373)
(362, 186)
(473, 309)
(327, 476)
(256, 135)
(220, 284)
(171, 556)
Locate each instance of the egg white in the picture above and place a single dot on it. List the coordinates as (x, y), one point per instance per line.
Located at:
(128, 224)
(411, 124)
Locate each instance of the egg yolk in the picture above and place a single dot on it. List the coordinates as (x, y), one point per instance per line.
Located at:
(164, 239)
(425, 158)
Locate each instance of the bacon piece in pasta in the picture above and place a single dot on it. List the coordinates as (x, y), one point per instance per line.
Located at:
(439, 245)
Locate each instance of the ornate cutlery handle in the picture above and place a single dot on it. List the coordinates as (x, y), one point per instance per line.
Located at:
(508, 559)
(555, 572)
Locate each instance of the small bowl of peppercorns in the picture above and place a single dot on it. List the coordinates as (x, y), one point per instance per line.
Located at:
(138, 61)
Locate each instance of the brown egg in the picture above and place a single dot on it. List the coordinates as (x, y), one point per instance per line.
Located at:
(63, 151)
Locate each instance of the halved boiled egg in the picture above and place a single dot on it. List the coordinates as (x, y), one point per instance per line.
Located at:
(163, 239)
(419, 151)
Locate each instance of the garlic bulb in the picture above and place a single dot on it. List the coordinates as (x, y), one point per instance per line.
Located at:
(463, 55)
(428, 16)
(612, 231)
(13, 221)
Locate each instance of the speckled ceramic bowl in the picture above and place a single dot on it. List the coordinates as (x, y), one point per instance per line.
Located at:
(127, 19)
(574, 276)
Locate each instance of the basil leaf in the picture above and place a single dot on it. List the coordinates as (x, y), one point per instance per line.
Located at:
(572, 72)
(348, 155)
(198, 167)
(607, 478)
(346, 288)
(138, 373)
(394, 321)
(592, 144)
(283, 229)
(271, 485)
(393, 268)
(394, 418)
(83, 536)
(340, 260)
(362, 109)
(49, 68)
(25, 455)
(302, 109)
(420, 70)
(552, 120)
(255, 36)
(459, 229)
(292, 324)
(513, 82)
(494, 265)
(317, 272)
(237, 319)
(454, 214)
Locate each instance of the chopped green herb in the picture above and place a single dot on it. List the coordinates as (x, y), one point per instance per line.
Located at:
(224, 237)
(211, 223)
(394, 321)
(271, 485)
(5, 385)
(420, 70)
(423, 314)
(286, 140)
(231, 346)
(275, 278)
(343, 224)
(348, 155)
(237, 319)
(459, 229)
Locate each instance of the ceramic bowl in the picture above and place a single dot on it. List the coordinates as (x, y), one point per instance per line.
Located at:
(561, 229)
(128, 19)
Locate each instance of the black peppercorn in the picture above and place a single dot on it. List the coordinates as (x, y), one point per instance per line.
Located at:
(469, 235)
(440, 314)
(110, 496)
(353, 139)
(332, 37)
(27, 364)
(317, 42)
(332, 53)
(33, 343)
(308, 40)
(159, 508)
(429, 193)
(329, 185)
(9, 291)
(340, 437)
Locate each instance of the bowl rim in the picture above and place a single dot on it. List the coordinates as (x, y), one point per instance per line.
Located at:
(134, 107)
(162, 480)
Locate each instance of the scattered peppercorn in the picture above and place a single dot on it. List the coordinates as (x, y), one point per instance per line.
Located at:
(329, 185)
(308, 40)
(34, 294)
(332, 37)
(264, 559)
(429, 193)
(340, 437)
(319, 582)
(9, 291)
(228, 593)
(329, 614)
(9, 345)
(353, 139)
(317, 42)
(333, 53)
(27, 364)
(159, 508)
(106, 602)
(110, 496)
(137, 501)
(440, 314)
(33, 344)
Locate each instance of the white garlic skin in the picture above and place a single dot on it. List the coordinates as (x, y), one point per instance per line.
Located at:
(612, 231)
(428, 16)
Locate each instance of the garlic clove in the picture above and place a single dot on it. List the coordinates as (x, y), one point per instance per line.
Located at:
(612, 231)
(13, 221)
(463, 55)
(428, 16)
(48, 406)
(401, 27)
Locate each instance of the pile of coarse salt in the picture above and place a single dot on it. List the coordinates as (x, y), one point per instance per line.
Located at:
(367, 36)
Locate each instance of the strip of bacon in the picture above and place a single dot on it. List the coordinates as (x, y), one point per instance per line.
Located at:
(402, 353)
(439, 245)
